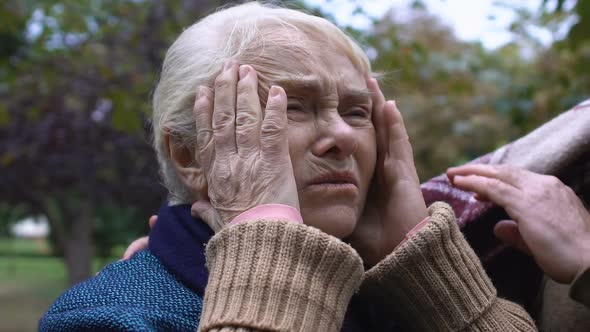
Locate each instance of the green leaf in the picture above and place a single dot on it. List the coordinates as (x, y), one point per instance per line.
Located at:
(124, 118)
(4, 116)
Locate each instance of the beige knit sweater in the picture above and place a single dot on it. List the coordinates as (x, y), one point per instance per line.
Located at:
(281, 276)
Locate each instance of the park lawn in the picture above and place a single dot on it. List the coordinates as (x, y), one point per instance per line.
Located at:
(30, 280)
(28, 285)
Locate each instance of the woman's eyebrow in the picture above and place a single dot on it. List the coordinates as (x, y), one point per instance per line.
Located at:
(309, 82)
(313, 83)
(356, 95)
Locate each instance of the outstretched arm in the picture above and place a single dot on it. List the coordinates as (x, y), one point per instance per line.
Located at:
(548, 221)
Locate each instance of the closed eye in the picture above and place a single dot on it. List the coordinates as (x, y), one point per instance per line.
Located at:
(357, 112)
(298, 111)
(296, 104)
(294, 107)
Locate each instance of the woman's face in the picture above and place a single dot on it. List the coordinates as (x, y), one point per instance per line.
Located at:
(331, 139)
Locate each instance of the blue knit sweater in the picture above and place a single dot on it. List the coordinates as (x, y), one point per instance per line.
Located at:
(156, 290)
(135, 295)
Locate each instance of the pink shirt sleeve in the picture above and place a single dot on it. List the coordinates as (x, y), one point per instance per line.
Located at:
(415, 230)
(269, 211)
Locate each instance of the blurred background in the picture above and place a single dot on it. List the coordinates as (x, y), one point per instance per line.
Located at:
(78, 179)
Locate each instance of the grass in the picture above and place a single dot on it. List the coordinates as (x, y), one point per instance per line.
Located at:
(30, 280)
(28, 285)
(14, 246)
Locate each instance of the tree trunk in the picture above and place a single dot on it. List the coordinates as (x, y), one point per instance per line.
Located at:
(71, 222)
(79, 246)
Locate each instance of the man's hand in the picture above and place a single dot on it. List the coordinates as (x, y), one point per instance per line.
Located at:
(395, 203)
(548, 219)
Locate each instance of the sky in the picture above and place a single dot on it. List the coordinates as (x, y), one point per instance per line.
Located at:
(471, 20)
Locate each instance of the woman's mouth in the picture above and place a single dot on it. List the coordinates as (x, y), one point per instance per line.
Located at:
(334, 183)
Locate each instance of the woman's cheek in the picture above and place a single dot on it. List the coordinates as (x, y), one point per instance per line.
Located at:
(299, 116)
(367, 153)
(299, 137)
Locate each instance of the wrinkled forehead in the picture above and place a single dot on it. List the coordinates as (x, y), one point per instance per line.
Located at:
(294, 60)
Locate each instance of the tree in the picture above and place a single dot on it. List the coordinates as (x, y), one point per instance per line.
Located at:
(460, 100)
(446, 88)
(76, 81)
(557, 76)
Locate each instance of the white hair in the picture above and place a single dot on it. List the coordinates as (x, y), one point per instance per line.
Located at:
(249, 33)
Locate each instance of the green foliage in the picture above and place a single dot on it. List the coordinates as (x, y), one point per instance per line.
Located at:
(445, 88)
(460, 100)
(116, 225)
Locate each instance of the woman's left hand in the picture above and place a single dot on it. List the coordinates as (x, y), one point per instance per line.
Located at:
(395, 203)
(548, 220)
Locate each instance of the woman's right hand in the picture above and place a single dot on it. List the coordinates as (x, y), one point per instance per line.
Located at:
(244, 152)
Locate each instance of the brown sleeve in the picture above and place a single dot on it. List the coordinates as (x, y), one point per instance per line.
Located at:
(435, 282)
(580, 288)
(271, 276)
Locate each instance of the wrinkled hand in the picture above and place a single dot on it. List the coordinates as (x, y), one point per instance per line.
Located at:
(243, 151)
(548, 219)
(141, 243)
(395, 203)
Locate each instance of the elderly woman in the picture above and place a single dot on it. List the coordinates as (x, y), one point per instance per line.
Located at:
(303, 172)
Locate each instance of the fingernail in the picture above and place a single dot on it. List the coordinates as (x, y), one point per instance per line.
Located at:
(394, 103)
(451, 178)
(274, 91)
(228, 65)
(244, 70)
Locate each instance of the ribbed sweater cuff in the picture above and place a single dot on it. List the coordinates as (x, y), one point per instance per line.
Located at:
(433, 281)
(278, 276)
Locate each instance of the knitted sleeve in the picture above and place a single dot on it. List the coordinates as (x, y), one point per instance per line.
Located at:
(278, 276)
(134, 295)
(435, 282)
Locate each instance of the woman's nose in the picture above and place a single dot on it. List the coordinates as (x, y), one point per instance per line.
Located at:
(337, 138)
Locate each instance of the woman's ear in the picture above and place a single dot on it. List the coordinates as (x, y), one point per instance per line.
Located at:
(187, 166)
